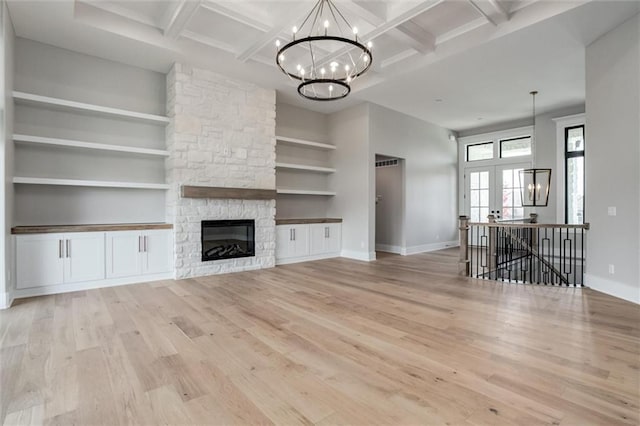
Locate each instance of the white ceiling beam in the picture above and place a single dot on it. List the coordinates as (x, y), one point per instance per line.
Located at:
(500, 9)
(289, 20)
(235, 15)
(461, 30)
(420, 39)
(180, 18)
(483, 13)
(388, 26)
(361, 12)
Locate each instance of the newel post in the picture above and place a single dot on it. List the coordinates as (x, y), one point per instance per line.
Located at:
(463, 264)
(493, 245)
(534, 232)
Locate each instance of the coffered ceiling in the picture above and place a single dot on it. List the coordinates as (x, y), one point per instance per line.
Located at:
(237, 38)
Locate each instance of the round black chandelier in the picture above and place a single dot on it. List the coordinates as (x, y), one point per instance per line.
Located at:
(325, 64)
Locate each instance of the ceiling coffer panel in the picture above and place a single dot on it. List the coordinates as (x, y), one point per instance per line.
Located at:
(225, 31)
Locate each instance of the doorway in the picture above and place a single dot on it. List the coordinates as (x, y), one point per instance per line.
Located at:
(389, 190)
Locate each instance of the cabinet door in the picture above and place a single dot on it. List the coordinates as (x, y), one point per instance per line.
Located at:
(284, 241)
(84, 257)
(300, 240)
(318, 238)
(39, 260)
(157, 249)
(124, 251)
(334, 238)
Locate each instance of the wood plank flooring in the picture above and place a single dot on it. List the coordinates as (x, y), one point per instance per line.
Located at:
(399, 341)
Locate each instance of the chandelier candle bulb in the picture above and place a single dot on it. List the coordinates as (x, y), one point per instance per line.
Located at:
(351, 58)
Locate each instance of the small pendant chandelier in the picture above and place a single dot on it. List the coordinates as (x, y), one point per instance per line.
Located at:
(325, 61)
(535, 183)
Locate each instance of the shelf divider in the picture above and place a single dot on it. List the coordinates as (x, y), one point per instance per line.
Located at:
(310, 144)
(88, 145)
(304, 192)
(30, 98)
(88, 183)
(305, 167)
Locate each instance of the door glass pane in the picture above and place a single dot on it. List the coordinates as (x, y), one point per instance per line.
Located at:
(479, 196)
(575, 190)
(511, 198)
(480, 151)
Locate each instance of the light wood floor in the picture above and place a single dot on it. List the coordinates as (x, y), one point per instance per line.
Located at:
(399, 341)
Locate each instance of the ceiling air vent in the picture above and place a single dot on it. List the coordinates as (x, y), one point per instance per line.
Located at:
(387, 163)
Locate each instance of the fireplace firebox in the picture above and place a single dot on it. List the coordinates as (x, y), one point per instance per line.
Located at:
(227, 239)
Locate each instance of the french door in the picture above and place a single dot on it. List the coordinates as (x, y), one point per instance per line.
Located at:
(494, 190)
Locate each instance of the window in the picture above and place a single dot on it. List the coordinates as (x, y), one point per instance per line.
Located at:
(515, 147)
(511, 198)
(480, 151)
(574, 174)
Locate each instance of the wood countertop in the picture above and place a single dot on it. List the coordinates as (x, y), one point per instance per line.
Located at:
(306, 221)
(52, 229)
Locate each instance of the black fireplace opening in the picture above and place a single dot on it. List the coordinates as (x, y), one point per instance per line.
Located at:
(228, 239)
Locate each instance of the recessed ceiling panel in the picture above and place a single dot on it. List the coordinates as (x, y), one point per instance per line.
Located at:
(152, 10)
(223, 30)
(446, 16)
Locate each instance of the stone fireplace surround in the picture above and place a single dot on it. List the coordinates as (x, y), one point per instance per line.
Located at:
(222, 135)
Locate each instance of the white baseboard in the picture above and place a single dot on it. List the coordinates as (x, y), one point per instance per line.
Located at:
(88, 285)
(613, 288)
(359, 255)
(289, 260)
(387, 248)
(6, 299)
(424, 248)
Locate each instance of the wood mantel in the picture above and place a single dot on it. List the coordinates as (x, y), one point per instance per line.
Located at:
(227, 193)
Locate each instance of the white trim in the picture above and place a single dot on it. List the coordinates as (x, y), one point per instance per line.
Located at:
(289, 260)
(561, 124)
(305, 167)
(425, 248)
(304, 192)
(613, 288)
(390, 248)
(6, 299)
(89, 285)
(359, 255)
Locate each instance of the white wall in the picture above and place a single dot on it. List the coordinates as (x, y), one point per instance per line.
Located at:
(613, 161)
(6, 155)
(390, 235)
(353, 181)
(431, 165)
(51, 71)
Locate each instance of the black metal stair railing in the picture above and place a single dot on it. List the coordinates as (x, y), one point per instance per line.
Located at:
(524, 252)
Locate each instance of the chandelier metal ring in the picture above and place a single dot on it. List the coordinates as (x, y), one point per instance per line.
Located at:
(324, 81)
(365, 50)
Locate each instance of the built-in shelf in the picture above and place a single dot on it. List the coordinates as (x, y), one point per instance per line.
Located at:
(29, 98)
(88, 145)
(305, 167)
(304, 192)
(88, 183)
(306, 143)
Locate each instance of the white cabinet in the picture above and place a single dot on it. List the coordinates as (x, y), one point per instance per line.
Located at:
(292, 241)
(131, 253)
(302, 242)
(325, 238)
(53, 259)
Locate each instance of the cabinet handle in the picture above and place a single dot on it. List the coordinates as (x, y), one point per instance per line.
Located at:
(291, 234)
(139, 244)
(294, 234)
(326, 232)
(60, 249)
(68, 248)
(146, 242)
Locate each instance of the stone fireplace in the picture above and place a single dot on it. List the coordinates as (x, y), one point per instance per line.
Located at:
(222, 135)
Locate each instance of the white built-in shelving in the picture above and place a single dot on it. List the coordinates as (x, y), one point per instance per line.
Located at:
(305, 167)
(304, 192)
(57, 103)
(305, 143)
(68, 143)
(88, 183)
